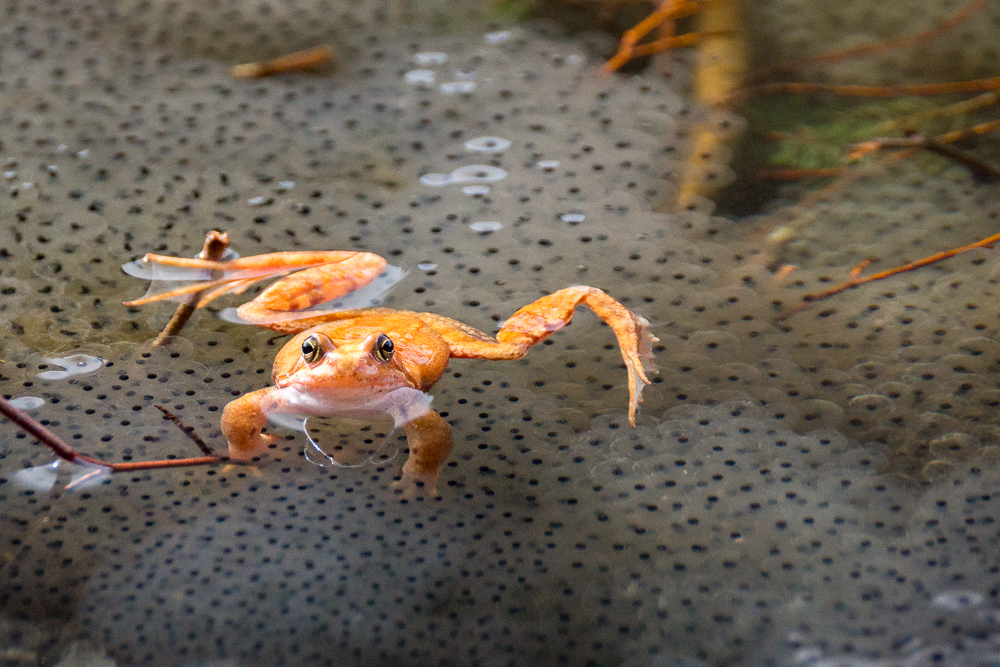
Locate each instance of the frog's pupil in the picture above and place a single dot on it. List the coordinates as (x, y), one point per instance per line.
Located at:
(385, 347)
(309, 349)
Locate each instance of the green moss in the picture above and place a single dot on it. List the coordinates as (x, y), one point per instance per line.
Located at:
(807, 133)
(514, 10)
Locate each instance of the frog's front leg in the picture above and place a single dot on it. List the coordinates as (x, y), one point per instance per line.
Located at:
(243, 420)
(429, 439)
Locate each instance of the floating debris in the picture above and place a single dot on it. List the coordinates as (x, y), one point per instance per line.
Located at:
(293, 62)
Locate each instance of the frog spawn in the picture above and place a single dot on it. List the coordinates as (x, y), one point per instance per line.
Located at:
(524, 547)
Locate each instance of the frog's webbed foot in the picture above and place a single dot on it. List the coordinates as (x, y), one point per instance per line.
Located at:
(429, 439)
(414, 483)
(638, 356)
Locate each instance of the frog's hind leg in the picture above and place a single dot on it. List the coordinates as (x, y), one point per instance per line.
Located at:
(315, 278)
(538, 320)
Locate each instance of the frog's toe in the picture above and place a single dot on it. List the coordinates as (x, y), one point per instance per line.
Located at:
(414, 484)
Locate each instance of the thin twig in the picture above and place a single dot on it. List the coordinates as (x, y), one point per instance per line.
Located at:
(855, 279)
(667, 11)
(299, 61)
(187, 430)
(920, 89)
(792, 175)
(948, 24)
(914, 120)
(981, 169)
(794, 215)
(215, 245)
(69, 453)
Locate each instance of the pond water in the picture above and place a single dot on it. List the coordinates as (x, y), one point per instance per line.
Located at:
(820, 489)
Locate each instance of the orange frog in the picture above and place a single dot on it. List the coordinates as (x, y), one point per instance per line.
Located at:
(364, 360)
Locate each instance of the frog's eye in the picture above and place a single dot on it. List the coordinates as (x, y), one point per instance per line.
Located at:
(384, 348)
(311, 349)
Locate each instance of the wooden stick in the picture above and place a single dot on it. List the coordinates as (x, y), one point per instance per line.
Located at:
(215, 245)
(667, 11)
(69, 453)
(922, 89)
(948, 24)
(187, 430)
(293, 62)
(855, 279)
(792, 175)
(794, 215)
(981, 169)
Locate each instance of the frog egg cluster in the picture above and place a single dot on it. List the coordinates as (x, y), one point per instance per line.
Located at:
(798, 492)
(794, 30)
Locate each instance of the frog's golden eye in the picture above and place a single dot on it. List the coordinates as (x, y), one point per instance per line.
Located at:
(384, 348)
(311, 349)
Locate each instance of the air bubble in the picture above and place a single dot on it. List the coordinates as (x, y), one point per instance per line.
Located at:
(430, 58)
(572, 218)
(486, 227)
(435, 180)
(548, 165)
(39, 478)
(27, 402)
(420, 77)
(958, 600)
(487, 144)
(478, 173)
(475, 190)
(458, 87)
(75, 364)
(257, 201)
(498, 37)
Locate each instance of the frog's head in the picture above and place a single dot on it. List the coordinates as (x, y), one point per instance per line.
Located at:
(356, 365)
